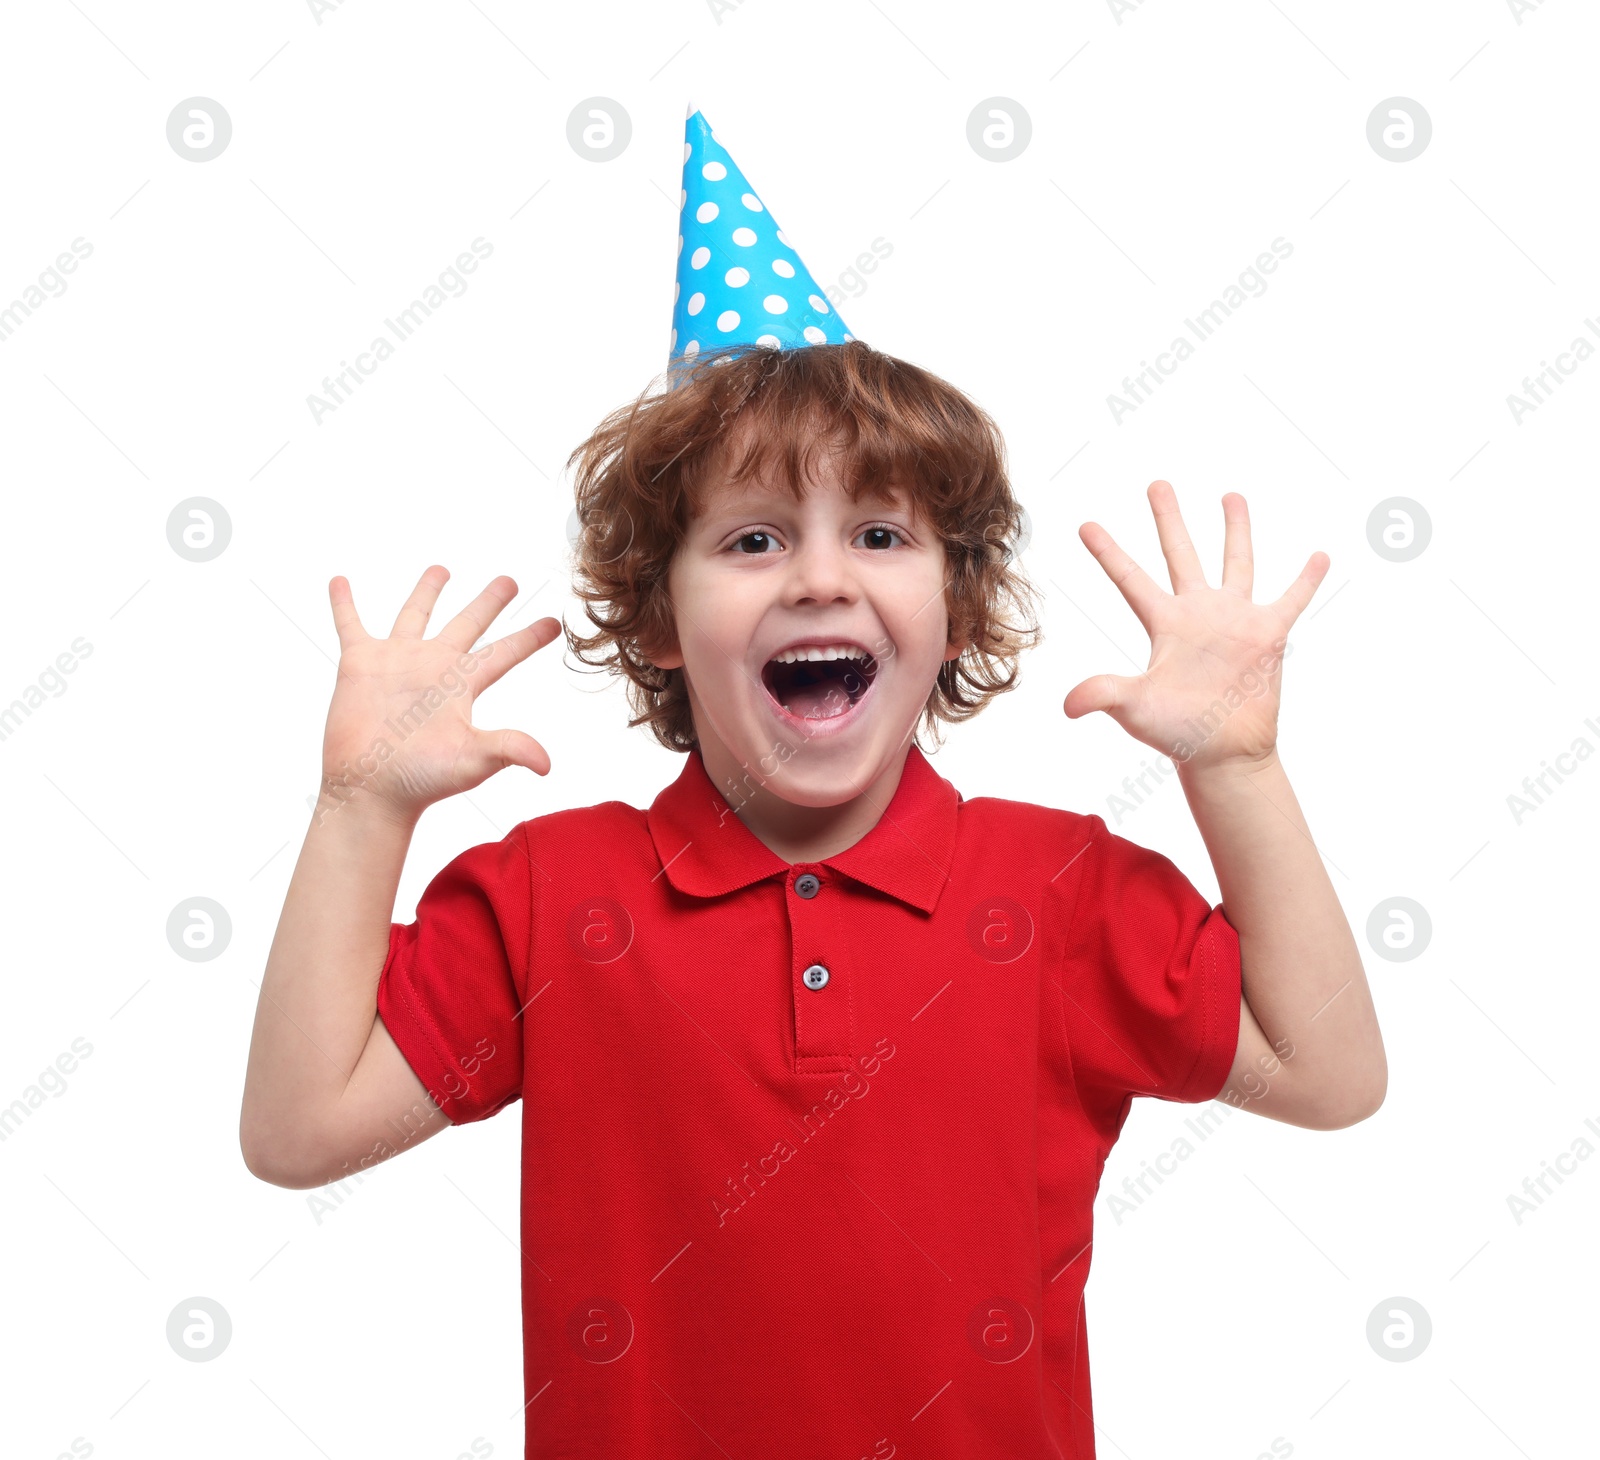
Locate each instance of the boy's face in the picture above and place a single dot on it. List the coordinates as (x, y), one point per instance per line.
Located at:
(759, 572)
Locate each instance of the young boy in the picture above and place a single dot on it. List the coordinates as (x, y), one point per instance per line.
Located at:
(820, 1061)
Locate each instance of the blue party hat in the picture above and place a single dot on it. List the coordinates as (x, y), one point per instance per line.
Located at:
(739, 279)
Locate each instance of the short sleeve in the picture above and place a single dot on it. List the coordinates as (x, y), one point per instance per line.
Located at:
(451, 990)
(1150, 977)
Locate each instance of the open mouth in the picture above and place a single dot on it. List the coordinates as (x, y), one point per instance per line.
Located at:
(819, 689)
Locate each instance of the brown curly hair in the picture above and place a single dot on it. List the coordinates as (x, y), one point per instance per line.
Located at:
(648, 466)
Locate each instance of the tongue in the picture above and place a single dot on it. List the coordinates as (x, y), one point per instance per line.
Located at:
(824, 700)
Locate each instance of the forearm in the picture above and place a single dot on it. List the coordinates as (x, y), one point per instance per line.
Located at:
(318, 995)
(1302, 972)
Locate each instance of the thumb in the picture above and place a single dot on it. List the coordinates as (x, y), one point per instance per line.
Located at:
(494, 750)
(1107, 692)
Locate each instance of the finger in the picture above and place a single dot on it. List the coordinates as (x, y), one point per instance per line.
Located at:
(496, 658)
(413, 616)
(466, 628)
(1142, 592)
(1183, 562)
(1103, 692)
(1238, 561)
(345, 618)
(496, 749)
(1298, 594)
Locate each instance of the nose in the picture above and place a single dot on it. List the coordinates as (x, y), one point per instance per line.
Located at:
(821, 571)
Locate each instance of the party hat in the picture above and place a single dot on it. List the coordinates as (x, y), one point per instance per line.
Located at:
(739, 279)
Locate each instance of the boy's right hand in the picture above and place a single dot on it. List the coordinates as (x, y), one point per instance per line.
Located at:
(400, 728)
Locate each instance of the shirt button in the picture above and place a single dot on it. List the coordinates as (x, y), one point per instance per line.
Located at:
(807, 885)
(815, 977)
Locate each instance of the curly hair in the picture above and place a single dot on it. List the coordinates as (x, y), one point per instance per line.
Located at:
(650, 465)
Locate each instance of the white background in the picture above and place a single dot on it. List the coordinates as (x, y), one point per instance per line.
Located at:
(1169, 148)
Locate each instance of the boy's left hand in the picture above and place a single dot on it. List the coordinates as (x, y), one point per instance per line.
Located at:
(1206, 644)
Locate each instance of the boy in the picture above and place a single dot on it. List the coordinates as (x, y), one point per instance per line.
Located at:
(820, 1062)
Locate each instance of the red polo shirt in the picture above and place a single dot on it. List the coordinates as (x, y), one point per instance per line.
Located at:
(810, 1151)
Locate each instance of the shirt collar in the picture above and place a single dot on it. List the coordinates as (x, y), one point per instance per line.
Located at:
(706, 850)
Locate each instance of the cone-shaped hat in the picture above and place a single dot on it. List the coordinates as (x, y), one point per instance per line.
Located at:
(739, 279)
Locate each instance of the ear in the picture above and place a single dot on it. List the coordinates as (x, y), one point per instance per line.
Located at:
(670, 655)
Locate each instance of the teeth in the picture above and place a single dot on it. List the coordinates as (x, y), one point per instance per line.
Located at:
(829, 651)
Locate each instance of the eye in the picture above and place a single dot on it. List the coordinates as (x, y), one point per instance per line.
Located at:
(879, 529)
(763, 538)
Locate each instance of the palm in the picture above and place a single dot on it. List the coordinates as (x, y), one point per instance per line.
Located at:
(400, 723)
(1211, 691)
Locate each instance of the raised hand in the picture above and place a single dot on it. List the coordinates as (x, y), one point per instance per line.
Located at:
(1211, 692)
(400, 725)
